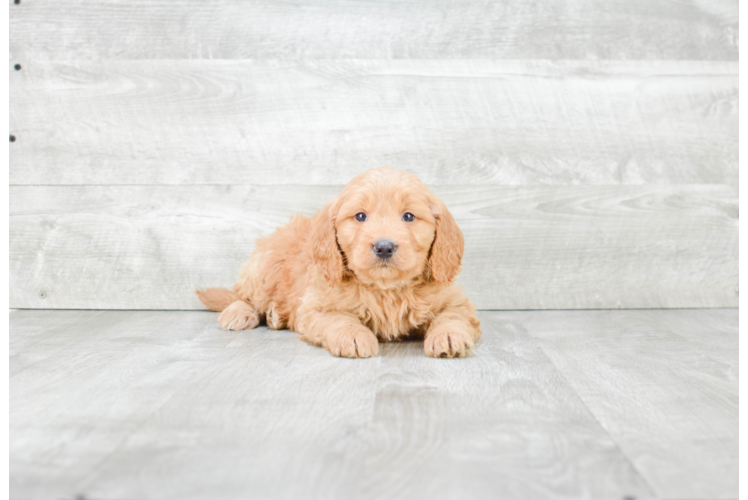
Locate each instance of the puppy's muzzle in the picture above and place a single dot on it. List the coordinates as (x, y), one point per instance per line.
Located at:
(384, 249)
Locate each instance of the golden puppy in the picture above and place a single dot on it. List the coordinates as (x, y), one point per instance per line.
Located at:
(377, 263)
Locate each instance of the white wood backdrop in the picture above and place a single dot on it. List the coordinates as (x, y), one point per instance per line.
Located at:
(386, 29)
(322, 122)
(588, 150)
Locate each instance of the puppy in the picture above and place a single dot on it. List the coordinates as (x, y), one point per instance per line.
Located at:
(376, 264)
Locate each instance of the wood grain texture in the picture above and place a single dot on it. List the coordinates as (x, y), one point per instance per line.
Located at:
(32, 343)
(94, 384)
(322, 122)
(712, 330)
(502, 423)
(163, 405)
(166, 405)
(190, 29)
(542, 247)
(655, 382)
(743, 210)
(554, 404)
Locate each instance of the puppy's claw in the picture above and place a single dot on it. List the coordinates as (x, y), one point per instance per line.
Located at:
(447, 344)
(358, 344)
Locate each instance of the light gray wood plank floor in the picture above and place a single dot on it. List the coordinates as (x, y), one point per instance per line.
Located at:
(552, 404)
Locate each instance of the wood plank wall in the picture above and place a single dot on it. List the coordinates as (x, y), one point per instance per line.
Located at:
(743, 162)
(589, 150)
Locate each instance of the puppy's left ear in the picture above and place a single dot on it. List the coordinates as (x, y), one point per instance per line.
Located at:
(448, 246)
(324, 245)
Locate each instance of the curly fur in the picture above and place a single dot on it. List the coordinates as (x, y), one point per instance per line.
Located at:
(320, 277)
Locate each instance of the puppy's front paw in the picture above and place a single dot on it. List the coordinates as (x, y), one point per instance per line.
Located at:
(447, 343)
(359, 343)
(239, 316)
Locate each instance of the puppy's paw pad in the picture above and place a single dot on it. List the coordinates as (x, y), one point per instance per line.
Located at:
(357, 344)
(447, 344)
(239, 316)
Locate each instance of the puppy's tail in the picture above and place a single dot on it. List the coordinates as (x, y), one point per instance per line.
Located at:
(217, 299)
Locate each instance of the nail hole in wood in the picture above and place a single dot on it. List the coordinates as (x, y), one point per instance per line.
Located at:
(12, 138)
(42, 295)
(17, 67)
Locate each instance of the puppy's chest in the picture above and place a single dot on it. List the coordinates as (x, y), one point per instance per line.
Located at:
(391, 315)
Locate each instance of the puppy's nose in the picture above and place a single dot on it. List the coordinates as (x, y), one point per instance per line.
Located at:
(384, 249)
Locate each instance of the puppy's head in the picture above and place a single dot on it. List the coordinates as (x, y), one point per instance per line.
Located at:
(387, 228)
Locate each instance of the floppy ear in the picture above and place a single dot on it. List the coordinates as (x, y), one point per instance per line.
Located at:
(325, 251)
(448, 245)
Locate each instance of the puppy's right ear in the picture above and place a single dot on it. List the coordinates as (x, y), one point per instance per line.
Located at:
(325, 251)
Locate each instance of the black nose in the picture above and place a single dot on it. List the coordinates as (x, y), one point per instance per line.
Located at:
(384, 249)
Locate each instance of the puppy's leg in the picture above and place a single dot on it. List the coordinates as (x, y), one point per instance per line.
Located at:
(452, 333)
(240, 315)
(273, 318)
(342, 334)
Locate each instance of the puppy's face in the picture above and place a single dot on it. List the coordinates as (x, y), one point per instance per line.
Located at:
(385, 227)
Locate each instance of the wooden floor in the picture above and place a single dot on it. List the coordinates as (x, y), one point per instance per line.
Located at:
(555, 404)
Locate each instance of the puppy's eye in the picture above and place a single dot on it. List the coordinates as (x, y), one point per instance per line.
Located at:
(360, 216)
(409, 217)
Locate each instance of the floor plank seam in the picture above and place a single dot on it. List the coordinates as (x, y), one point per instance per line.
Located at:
(696, 344)
(600, 424)
(90, 478)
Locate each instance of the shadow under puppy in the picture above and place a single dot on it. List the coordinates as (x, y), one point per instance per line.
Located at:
(377, 263)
